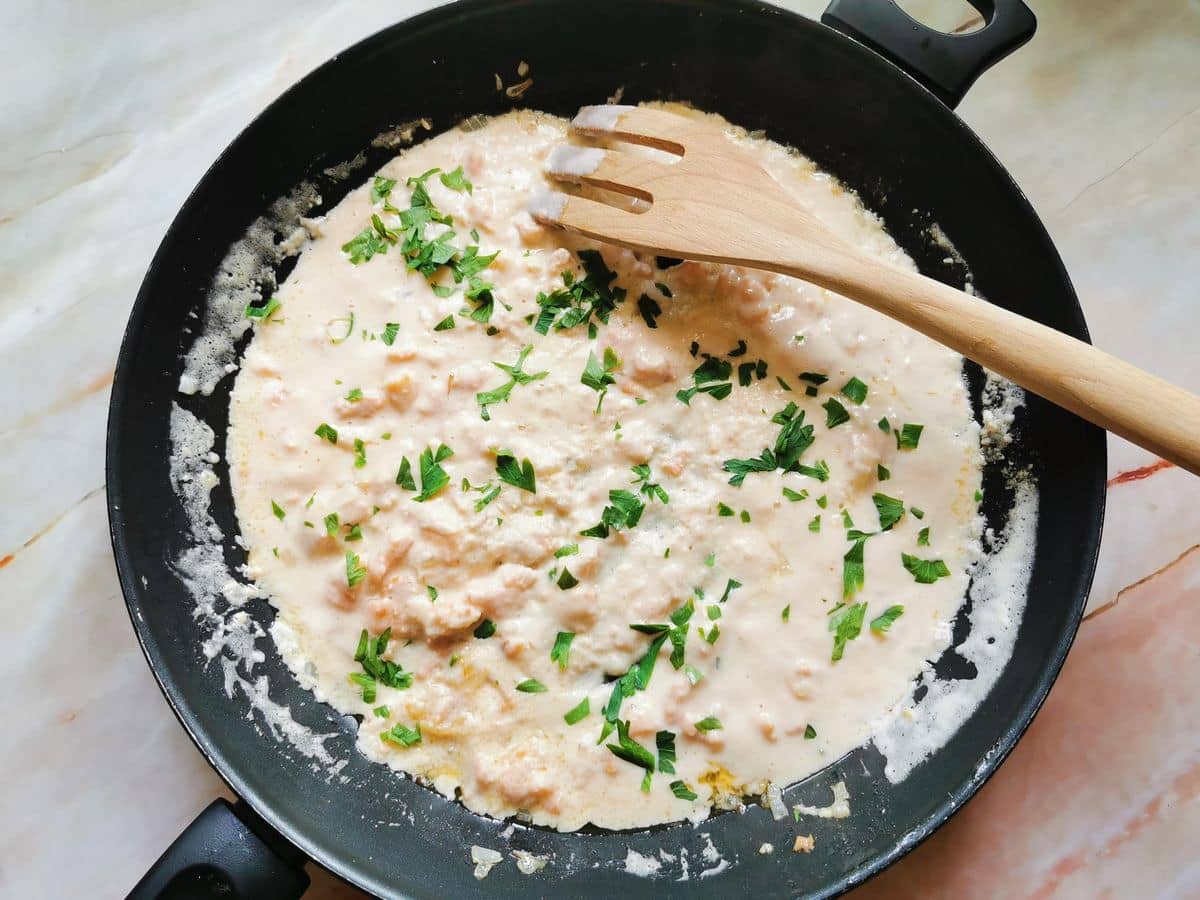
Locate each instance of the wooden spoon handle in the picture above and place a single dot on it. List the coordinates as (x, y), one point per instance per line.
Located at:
(1140, 407)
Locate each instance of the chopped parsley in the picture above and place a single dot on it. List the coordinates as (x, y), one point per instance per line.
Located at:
(382, 712)
(723, 510)
(566, 580)
(485, 629)
(631, 751)
(664, 742)
(925, 571)
(262, 313)
(433, 476)
(404, 477)
(884, 426)
(390, 330)
(354, 395)
(795, 496)
(814, 524)
(580, 298)
(707, 724)
(355, 571)
(578, 713)
(531, 686)
(786, 615)
(846, 625)
(882, 472)
(381, 190)
(369, 654)
(566, 550)
(710, 377)
(360, 453)
(794, 438)
(650, 310)
(516, 376)
(883, 622)
(432, 592)
(835, 413)
(809, 732)
(889, 508)
(519, 475)
(355, 533)
(457, 181)
(447, 324)
(277, 510)
(923, 537)
(682, 791)
(489, 491)
(908, 437)
(730, 586)
(917, 513)
(598, 377)
(625, 511)
(814, 378)
(402, 735)
(327, 432)
(855, 390)
(561, 650)
(648, 489)
(853, 572)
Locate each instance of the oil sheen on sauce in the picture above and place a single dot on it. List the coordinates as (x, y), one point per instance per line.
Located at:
(366, 349)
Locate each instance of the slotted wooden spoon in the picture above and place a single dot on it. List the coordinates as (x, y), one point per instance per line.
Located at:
(715, 202)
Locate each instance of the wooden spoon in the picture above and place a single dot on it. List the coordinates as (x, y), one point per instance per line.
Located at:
(715, 202)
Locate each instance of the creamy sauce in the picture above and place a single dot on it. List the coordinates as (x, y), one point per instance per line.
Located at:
(435, 570)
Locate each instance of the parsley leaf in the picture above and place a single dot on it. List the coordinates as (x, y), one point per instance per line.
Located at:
(277, 510)
(561, 650)
(447, 324)
(925, 571)
(923, 537)
(598, 377)
(809, 732)
(404, 477)
(518, 475)
(664, 741)
(908, 437)
(390, 330)
(327, 432)
(566, 580)
(641, 476)
(682, 791)
(262, 313)
(846, 625)
(531, 686)
(855, 390)
(485, 629)
(889, 508)
(578, 713)
(402, 735)
(457, 181)
(516, 376)
(630, 750)
(853, 572)
(360, 453)
(835, 413)
(707, 724)
(580, 298)
(883, 622)
(433, 476)
(649, 309)
(355, 571)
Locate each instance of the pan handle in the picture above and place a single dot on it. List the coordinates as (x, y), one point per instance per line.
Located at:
(946, 64)
(229, 853)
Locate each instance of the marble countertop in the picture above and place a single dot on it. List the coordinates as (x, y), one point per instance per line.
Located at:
(112, 110)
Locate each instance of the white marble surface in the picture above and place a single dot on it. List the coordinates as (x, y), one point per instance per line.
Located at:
(110, 112)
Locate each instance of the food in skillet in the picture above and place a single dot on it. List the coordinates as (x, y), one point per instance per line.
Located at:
(586, 535)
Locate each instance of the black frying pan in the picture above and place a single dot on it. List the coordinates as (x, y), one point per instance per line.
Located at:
(891, 136)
